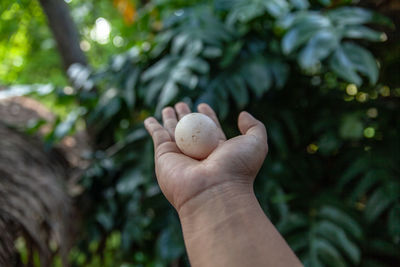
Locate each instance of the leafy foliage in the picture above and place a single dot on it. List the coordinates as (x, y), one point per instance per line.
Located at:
(330, 182)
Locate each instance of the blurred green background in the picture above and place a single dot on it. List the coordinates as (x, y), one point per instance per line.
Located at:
(323, 75)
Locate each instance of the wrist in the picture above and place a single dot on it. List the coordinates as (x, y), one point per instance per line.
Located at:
(225, 226)
(216, 206)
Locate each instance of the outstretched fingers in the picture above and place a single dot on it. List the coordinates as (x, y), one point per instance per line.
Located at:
(162, 140)
(207, 110)
(248, 125)
(169, 121)
(182, 109)
(159, 134)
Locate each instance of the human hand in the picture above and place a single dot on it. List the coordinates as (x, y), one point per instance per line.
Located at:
(233, 164)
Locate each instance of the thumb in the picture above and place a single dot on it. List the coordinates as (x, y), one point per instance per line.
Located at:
(248, 125)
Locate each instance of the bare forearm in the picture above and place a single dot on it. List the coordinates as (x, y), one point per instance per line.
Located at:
(225, 226)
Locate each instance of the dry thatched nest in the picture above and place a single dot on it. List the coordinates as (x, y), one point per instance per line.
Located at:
(35, 186)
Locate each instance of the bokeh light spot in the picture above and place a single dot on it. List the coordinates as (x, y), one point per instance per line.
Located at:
(68, 90)
(85, 45)
(312, 148)
(146, 46)
(369, 132)
(361, 97)
(118, 41)
(385, 91)
(396, 92)
(351, 89)
(101, 31)
(372, 113)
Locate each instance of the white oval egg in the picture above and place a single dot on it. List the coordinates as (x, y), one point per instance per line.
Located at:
(196, 135)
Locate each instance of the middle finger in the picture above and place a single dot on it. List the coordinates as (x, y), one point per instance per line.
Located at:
(182, 109)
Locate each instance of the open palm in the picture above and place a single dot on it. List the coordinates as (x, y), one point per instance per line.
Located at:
(234, 162)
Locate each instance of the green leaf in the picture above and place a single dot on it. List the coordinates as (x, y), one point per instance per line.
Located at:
(380, 201)
(298, 242)
(362, 32)
(79, 74)
(118, 62)
(350, 16)
(129, 90)
(356, 16)
(168, 93)
(312, 261)
(343, 67)
(357, 167)
(328, 143)
(21, 90)
(276, 8)
(317, 49)
(244, 13)
(366, 183)
(112, 108)
(230, 54)
(279, 207)
(185, 78)
(194, 47)
(135, 135)
(362, 60)
(129, 181)
(328, 253)
(304, 27)
(300, 4)
(105, 219)
(153, 89)
(257, 76)
(337, 236)
(342, 219)
(212, 52)
(68, 124)
(161, 67)
(237, 87)
(170, 244)
(325, 2)
(306, 18)
(292, 222)
(280, 72)
(130, 232)
(162, 41)
(194, 63)
(179, 42)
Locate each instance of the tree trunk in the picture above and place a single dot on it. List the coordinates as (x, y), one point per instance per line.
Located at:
(64, 31)
(34, 203)
(33, 198)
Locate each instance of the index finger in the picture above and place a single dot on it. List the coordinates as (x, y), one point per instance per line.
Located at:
(159, 134)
